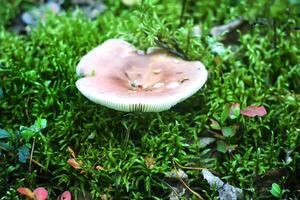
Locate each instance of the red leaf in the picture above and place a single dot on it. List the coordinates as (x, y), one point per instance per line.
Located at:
(74, 163)
(66, 195)
(26, 191)
(252, 111)
(40, 193)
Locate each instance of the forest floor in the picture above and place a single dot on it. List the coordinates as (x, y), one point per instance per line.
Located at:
(242, 128)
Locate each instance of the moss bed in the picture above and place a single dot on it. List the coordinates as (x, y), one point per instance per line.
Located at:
(128, 155)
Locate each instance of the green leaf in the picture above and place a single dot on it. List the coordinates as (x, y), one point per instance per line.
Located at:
(23, 153)
(41, 123)
(221, 146)
(224, 115)
(228, 131)
(38, 125)
(215, 125)
(30, 132)
(27, 134)
(234, 111)
(276, 191)
(4, 134)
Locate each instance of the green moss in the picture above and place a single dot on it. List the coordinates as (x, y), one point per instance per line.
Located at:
(38, 77)
(8, 11)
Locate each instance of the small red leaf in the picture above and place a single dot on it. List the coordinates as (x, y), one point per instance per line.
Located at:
(74, 163)
(66, 195)
(26, 191)
(252, 111)
(40, 193)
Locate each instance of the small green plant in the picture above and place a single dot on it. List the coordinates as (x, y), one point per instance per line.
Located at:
(224, 132)
(19, 143)
(276, 191)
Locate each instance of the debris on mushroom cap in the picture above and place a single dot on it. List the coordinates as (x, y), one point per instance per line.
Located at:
(117, 75)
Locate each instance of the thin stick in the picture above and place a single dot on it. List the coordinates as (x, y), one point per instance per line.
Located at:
(40, 165)
(193, 168)
(185, 185)
(31, 154)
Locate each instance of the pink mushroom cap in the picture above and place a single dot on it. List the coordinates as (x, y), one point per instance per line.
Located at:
(117, 75)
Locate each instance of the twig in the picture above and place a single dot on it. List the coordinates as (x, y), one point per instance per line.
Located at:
(192, 168)
(177, 52)
(185, 185)
(215, 134)
(31, 154)
(40, 165)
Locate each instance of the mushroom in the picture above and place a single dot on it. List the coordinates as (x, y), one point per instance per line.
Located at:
(117, 75)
